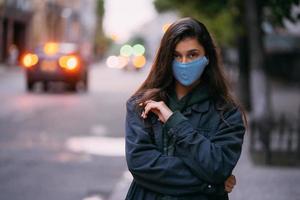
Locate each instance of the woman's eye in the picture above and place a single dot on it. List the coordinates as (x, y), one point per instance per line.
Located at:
(177, 57)
(193, 55)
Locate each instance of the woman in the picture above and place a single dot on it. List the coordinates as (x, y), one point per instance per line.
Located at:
(184, 130)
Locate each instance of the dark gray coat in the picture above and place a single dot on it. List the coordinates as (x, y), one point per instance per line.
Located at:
(206, 149)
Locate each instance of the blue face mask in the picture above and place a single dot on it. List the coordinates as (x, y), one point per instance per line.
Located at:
(188, 73)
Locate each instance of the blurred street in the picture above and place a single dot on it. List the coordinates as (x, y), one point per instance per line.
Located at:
(62, 145)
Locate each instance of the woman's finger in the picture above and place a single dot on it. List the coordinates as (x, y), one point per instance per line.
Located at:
(156, 112)
(148, 107)
(149, 101)
(227, 189)
(151, 106)
(229, 185)
(158, 108)
(229, 181)
(232, 180)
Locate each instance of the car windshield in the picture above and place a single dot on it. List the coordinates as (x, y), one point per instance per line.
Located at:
(67, 48)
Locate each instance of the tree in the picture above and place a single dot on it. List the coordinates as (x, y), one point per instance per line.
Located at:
(214, 14)
(101, 42)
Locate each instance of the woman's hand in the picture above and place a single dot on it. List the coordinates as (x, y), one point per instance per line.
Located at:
(157, 107)
(230, 183)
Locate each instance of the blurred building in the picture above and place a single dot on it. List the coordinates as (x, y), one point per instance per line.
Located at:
(26, 23)
(282, 45)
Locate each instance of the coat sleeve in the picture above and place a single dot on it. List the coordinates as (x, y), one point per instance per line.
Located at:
(213, 158)
(155, 171)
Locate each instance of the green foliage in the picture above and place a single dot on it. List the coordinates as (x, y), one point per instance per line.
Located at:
(162, 6)
(102, 44)
(101, 41)
(210, 7)
(136, 40)
(114, 48)
(213, 13)
(279, 9)
(224, 17)
(100, 8)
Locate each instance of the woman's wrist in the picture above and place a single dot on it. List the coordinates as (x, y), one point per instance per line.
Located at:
(168, 114)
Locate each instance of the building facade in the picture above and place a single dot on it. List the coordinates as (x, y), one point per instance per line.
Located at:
(26, 23)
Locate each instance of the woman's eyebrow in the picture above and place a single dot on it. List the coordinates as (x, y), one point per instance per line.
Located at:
(189, 51)
(193, 50)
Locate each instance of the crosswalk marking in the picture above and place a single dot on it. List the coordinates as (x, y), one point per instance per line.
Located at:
(97, 145)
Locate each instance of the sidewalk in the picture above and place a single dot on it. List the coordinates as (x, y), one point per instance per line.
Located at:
(255, 182)
(4, 69)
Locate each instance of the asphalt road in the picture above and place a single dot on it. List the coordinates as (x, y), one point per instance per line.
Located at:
(63, 145)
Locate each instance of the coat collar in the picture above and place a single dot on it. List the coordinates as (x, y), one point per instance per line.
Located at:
(197, 100)
(199, 107)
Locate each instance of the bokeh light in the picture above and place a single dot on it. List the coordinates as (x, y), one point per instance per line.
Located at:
(68, 62)
(138, 50)
(126, 50)
(118, 62)
(139, 61)
(50, 48)
(72, 63)
(123, 61)
(114, 37)
(112, 61)
(30, 60)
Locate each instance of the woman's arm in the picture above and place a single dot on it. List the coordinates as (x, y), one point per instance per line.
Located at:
(154, 171)
(211, 159)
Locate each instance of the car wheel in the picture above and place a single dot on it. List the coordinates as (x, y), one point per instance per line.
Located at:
(29, 85)
(45, 86)
(73, 87)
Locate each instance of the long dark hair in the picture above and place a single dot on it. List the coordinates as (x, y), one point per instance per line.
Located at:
(160, 78)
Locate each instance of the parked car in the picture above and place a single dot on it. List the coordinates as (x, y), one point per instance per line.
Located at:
(56, 62)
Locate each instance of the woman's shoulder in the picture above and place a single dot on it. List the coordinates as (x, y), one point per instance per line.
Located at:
(223, 105)
(133, 100)
(228, 109)
(132, 103)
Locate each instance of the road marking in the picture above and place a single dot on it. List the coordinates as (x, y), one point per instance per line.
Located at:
(97, 145)
(95, 197)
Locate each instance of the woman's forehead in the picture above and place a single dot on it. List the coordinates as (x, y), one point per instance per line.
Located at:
(188, 44)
